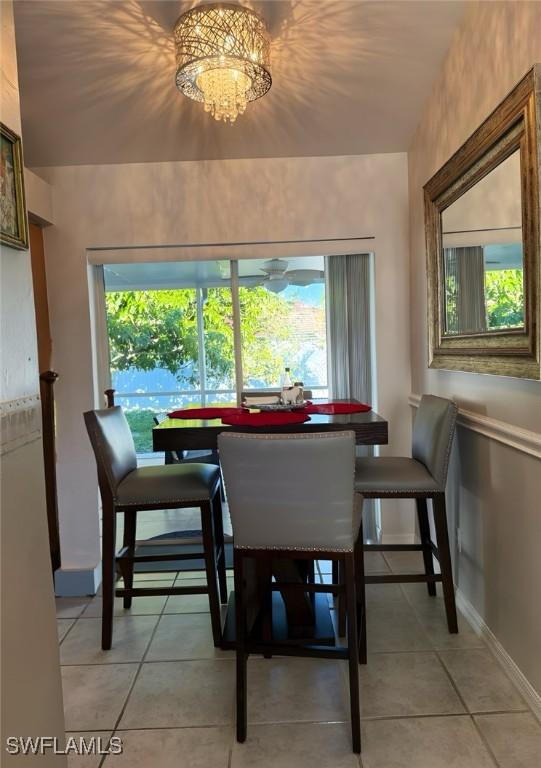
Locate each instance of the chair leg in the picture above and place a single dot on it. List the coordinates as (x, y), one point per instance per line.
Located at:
(341, 603)
(353, 655)
(241, 655)
(424, 531)
(264, 579)
(108, 575)
(219, 543)
(360, 590)
(211, 571)
(130, 524)
(440, 521)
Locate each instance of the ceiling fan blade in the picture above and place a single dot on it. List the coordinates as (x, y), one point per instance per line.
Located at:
(250, 281)
(304, 276)
(276, 285)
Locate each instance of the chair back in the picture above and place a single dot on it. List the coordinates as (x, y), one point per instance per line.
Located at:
(290, 491)
(113, 445)
(433, 431)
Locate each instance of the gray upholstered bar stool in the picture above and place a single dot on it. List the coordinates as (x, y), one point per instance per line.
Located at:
(291, 497)
(421, 477)
(125, 488)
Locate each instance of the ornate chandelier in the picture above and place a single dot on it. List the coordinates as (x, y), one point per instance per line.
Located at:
(223, 55)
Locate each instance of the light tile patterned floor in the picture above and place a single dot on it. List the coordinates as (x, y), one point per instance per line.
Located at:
(428, 699)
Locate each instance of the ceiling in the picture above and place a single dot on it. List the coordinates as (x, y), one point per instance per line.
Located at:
(97, 81)
(132, 276)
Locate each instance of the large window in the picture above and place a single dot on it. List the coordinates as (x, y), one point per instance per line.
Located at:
(173, 341)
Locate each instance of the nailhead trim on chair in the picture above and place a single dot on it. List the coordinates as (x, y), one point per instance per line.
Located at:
(394, 491)
(450, 443)
(322, 548)
(198, 500)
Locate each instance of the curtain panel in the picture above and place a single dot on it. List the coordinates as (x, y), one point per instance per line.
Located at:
(350, 364)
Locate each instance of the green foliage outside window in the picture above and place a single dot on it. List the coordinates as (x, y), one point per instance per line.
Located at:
(158, 329)
(504, 298)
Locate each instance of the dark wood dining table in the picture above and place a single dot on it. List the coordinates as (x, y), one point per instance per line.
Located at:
(197, 434)
(294, 617)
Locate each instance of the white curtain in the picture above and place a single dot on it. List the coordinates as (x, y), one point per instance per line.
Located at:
(348, 317)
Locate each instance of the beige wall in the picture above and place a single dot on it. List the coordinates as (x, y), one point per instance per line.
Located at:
(31, 691)
(205, 202)
(495, 490)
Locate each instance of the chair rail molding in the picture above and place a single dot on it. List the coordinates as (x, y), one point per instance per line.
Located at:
(523, 440)
(20, 422)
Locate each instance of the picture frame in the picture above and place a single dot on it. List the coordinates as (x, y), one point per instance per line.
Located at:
(13, 219)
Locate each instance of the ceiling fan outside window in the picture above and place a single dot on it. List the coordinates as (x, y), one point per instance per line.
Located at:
(277, 276)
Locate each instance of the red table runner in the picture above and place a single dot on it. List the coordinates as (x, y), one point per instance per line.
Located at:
(205, 413)
(265, 419)
(336, 408)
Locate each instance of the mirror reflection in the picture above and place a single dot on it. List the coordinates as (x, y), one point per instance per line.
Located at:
(483, 264)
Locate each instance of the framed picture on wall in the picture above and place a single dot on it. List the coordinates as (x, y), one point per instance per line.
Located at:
(13, 224)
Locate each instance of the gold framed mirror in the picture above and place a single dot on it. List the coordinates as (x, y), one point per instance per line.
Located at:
(482, 212)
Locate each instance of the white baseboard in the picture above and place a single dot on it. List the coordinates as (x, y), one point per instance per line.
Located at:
(72, 582)
(398, 538)
(532, 698)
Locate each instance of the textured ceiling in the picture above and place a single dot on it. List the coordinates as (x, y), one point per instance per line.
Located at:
(97, 81)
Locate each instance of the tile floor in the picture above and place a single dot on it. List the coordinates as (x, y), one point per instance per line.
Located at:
(428, 699)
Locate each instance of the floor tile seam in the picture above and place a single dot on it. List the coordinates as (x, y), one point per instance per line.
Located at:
(233, 738)
(191, 658)
(485, 742)
(101, 664)
(427, 716)
(227, 659)
(133, 662)
(507, 676)
(432, 649)
(68, 631)
(417, 613)
(481, 712)
(197, 727)
(270, 723)
(136, 676)
(183, 613)
(501, 668)
(452, 681)
(72, 618)
(121, 617)
(273, 723)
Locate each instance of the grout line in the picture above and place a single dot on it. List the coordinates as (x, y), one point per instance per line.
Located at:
(136, 677)
(69, 630)
(431, 715)
(470, 713)
(485, 742)
(454, 685)
(378, 718)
